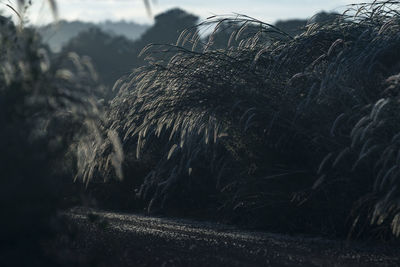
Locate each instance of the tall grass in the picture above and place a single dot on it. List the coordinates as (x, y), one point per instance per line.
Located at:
(50, 118)
(289, 132)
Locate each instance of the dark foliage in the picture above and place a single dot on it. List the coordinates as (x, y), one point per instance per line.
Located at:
(114, 57)
(287, 132)
(48, 113)
(293, 134)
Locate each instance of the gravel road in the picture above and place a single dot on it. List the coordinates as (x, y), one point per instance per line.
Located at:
(103, 238)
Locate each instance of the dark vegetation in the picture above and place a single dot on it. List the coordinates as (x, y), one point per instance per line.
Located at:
(291, 134)
(279, 131)
(297, 26)
(111, 56)
(50, 118)
(114, 57)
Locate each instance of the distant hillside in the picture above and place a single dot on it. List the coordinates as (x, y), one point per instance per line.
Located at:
(115, 56)
(56, 36)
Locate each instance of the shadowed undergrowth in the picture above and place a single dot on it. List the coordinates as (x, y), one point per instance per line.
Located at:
(50, 119)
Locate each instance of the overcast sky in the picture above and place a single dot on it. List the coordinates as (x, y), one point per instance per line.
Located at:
(266, 10)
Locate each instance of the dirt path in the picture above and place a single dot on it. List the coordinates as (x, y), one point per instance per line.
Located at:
(118, 239)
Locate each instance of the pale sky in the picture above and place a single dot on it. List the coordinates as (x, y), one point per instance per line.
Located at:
(100, 10)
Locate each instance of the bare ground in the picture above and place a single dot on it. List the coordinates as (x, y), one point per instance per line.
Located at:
(100, 238)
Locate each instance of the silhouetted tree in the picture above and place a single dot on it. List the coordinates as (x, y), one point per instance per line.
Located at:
(111, 56)
(114, 56)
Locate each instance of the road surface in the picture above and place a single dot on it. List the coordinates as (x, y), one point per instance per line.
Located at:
(103, 238)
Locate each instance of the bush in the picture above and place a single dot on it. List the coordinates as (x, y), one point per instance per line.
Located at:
(47, 113)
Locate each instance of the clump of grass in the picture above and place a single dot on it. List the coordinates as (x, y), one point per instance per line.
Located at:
(294, 133)
(48, 111)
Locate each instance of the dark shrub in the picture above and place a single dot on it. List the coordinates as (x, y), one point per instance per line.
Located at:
(47, 114)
